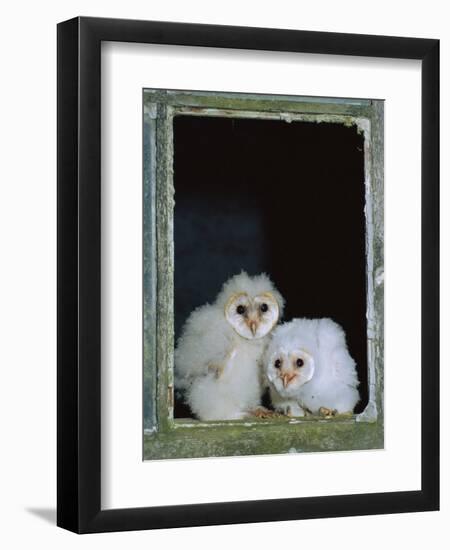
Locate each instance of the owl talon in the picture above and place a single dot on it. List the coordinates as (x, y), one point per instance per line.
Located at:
(326, 412)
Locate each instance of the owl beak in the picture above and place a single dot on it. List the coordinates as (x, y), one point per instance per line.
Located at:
(287, 378)
(253, 327)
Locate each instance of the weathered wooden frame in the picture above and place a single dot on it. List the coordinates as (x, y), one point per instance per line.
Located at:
(79, 426)
(165, 437)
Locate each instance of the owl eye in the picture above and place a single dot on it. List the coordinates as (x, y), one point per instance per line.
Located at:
(264, 307)
(300, 363)
(277, 364)
(240, 309)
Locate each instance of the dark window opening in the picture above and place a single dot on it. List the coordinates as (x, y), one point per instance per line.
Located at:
(276, 197)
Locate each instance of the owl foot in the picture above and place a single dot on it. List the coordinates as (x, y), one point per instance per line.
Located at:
(326, 412)
(262, 412)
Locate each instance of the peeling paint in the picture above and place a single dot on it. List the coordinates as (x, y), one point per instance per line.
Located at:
(363, 125)
(289, 117)
(369, 414)
(379, 276)
(151, 110)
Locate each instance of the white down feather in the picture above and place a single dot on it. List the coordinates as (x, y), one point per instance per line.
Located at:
(334, 382)
(207, 339)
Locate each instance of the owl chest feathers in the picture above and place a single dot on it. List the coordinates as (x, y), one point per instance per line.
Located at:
(242, 377)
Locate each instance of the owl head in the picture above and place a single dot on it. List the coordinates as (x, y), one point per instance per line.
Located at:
(251, 305)
(288, 363)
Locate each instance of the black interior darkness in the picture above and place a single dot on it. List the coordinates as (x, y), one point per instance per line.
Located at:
(282, 198)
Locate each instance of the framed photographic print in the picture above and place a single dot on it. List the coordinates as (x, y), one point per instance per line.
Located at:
(247, 274)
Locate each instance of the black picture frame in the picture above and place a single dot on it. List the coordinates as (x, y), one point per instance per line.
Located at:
(79, 276)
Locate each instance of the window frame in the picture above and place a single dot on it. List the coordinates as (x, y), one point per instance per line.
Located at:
(166, 437)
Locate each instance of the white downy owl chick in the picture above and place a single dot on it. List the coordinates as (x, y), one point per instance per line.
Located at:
(308, 366)
(218, 356)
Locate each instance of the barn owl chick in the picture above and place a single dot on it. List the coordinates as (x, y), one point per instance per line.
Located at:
(218, 356)
(308, 366)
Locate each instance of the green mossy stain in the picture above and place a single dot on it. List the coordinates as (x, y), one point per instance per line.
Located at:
(274, 437)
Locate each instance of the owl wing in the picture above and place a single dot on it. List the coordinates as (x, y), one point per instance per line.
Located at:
(206, 340)
(334, 351)
(336, 385)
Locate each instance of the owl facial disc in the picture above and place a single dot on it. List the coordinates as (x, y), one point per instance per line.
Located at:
(288, 370)
(252, 317)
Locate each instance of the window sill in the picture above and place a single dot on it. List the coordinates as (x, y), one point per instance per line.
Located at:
(188, 438)
(187, 423)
